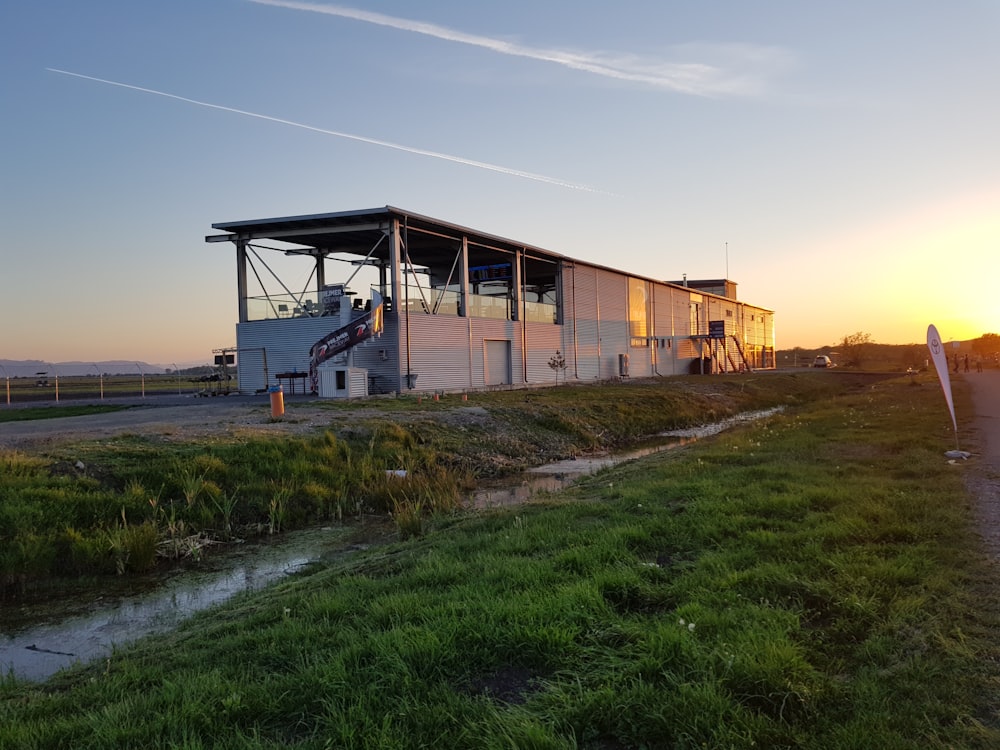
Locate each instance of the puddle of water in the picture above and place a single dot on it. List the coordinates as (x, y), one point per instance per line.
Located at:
(38, 641)
(561, 474)
(36, 650)
(715, 428)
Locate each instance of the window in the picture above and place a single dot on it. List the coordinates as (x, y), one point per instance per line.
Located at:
(540, 289)
(638, 312)
(695, 318)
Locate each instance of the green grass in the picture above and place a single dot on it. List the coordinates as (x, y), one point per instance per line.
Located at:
(810, 581)
(29, 413)
(57, 519)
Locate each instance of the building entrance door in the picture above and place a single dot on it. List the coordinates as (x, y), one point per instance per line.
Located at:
(497, 362)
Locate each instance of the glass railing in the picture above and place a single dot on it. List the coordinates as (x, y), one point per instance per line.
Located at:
(431, 302)
(280, 306)
(283, 306)
(539, 312)
(481, 306)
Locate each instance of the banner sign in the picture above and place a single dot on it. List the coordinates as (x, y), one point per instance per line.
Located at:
(941, 365)
(331, 298)
(717, 329)
(368, 325)
(495, 272)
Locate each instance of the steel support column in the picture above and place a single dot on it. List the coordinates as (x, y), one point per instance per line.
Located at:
(241, 280)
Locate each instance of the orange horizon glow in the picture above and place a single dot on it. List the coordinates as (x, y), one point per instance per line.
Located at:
(933, 264)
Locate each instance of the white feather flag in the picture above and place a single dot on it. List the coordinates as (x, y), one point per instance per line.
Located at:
(941, 365)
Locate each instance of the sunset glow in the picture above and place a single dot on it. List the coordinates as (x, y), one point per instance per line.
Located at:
(838, 162)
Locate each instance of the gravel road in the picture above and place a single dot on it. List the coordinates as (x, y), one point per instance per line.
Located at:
(982, 435)
(168, 417)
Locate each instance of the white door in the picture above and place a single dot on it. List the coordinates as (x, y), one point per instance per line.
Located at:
(497, 364)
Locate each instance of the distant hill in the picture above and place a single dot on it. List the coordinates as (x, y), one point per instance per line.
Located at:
(29, 368)
(897, 357)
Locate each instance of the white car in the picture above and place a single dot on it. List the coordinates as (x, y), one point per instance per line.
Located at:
(822, 361)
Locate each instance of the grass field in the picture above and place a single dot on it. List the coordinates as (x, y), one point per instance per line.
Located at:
(139, 500)
(809, 581)
(28, 413)
(19, 391)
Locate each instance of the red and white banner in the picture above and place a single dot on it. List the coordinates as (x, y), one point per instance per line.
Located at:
(941, 365)
(368, 325)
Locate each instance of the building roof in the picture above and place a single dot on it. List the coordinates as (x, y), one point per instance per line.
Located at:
(352, 231)
(358, 232)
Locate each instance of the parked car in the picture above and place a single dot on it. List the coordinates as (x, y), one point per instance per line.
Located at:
(822, 361)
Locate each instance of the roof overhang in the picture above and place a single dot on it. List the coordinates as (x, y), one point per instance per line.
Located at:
(357, 232)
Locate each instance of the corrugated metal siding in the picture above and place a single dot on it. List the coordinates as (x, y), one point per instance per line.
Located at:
(663, 329)
(727, 312)
(287, 344)
(662, 311)
(542, 341)
(759, 327)
(613, 290)
(667, 357)
(640, 361)
(682, 313)
(687, 350)
(587, 327)
(250, 370)
(568, 321)
(439, 351)
(447, 351)
(383, 374)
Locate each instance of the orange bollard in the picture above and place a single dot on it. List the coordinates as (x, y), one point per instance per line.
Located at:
(465, 396)
(436, 397)
(277, 401)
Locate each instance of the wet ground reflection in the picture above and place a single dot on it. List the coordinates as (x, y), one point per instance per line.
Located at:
(36, 641)
(561, 474)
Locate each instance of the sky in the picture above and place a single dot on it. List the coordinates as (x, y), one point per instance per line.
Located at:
(839, 161)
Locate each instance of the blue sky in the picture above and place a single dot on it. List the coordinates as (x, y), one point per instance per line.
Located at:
(846, 152)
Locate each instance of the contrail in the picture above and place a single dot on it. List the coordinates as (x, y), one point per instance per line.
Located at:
(374, 141)
(699, 79)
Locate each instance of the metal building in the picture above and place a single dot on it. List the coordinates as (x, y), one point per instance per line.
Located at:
(384, 300)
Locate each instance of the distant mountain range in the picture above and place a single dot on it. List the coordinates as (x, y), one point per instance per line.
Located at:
(29, 368)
